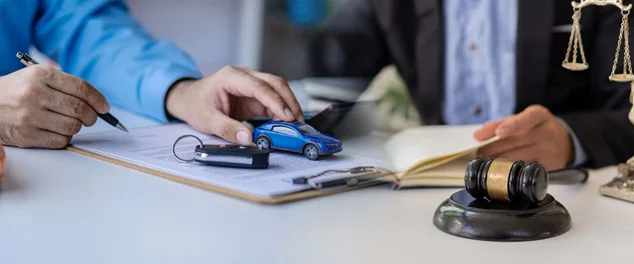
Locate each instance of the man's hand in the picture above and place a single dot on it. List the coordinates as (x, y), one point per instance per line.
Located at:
(217, 103)
(532, 135)
(44, 107)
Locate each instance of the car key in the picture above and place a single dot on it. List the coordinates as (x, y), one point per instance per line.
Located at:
(226, 155)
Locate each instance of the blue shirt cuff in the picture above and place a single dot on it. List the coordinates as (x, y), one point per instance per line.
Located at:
(581, 157)
(154, 90)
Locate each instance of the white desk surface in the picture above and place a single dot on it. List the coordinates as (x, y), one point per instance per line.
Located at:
(62, 207)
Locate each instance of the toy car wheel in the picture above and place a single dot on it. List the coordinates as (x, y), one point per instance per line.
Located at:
(311, 152)
(263, 143)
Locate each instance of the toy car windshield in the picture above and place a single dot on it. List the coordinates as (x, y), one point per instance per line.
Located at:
(308, 130)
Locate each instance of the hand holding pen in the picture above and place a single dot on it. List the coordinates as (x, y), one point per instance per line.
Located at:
(44, 107)
(110, 119)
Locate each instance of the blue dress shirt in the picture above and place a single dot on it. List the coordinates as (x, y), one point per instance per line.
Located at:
(96, 40)
(480, 38)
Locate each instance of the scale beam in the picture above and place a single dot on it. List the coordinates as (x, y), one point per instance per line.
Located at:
(617, 3)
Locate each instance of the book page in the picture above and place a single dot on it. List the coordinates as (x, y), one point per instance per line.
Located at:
(422, 148)
(452, 173)
(151, 147)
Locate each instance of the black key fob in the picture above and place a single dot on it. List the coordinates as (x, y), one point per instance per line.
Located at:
(232, 156)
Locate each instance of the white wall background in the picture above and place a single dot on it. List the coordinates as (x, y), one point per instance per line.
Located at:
(214, 32)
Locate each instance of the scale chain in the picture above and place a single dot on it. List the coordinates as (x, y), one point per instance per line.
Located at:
(572, 37)
(583, 54)
(626, 53)
(575, 46)
(618, 45)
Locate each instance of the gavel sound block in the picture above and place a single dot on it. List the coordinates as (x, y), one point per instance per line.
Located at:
(503, 201)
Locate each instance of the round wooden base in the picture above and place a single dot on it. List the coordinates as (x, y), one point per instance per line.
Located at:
(464, 216)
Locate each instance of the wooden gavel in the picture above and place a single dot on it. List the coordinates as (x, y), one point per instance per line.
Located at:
(506, 181)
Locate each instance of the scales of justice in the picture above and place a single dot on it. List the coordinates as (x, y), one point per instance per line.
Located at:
(622, 186)
(506, 200)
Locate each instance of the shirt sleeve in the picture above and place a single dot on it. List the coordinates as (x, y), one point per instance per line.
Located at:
(581, 157)
(100, 42)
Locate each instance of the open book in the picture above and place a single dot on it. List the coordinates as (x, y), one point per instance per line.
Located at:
(433, 155)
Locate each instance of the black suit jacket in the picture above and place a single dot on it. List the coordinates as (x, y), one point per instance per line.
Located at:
(363, 36)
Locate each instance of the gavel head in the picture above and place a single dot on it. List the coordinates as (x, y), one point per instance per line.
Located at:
(506, 181)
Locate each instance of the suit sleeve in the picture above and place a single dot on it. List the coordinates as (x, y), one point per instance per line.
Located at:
(608, 137)
(100, 42)
(606, 134)
(349, 44)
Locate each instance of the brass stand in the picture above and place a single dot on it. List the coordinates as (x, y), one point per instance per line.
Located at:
(622, 186)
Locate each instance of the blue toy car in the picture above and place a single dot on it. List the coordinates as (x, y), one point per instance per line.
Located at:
(295, 137)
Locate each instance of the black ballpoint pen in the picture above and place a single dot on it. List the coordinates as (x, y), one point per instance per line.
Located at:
(110, 119)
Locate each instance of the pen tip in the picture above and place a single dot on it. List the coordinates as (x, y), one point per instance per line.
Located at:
(122, 128)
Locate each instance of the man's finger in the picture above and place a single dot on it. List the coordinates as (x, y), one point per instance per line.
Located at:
(281, 87)
(71, 106)
(526, 154)
(246, 85)
(79, 88)
(527, 119)
(230, 129)
(505, 145)
(532, 153)
(48, 139)
(488, 130)
(57, 123)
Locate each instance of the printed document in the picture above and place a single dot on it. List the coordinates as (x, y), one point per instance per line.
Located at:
(151, 147)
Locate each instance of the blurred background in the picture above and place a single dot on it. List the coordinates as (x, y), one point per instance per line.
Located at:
(268, 35)
(274, 36)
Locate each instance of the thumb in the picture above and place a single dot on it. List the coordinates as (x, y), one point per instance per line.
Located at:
(230, 129)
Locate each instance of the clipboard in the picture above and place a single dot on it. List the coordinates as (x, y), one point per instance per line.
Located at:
(282, 199)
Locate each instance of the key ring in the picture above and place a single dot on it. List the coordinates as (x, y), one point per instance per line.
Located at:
(179, 139)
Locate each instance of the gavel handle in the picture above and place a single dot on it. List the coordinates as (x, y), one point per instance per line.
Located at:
(568, 176)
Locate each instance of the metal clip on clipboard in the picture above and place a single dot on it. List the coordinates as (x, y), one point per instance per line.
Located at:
(357, 176)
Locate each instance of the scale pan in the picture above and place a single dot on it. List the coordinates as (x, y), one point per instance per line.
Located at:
(575, 66)
(622, 77)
